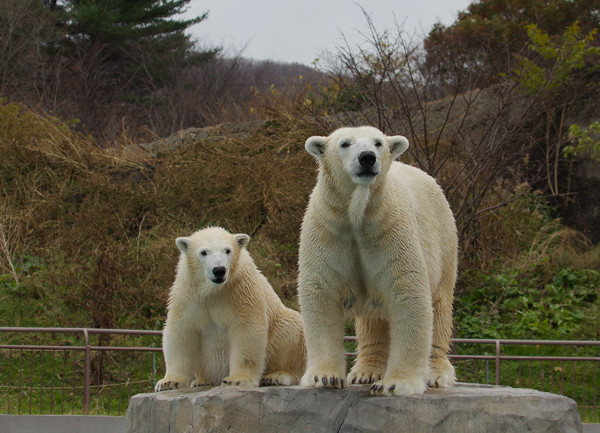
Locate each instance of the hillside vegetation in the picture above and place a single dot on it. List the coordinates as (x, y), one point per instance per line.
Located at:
(88, 234)
(88, 223)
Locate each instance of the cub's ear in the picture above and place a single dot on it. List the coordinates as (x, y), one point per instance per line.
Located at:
(242, 239)
(398, 145)
(316, 146)
(183, 244)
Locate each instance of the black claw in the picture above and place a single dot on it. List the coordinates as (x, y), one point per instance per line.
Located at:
(342, 382)
(392, 388)
(324, 380)
(353, 380)
(316, 379)
(373, 387)
(380, 388)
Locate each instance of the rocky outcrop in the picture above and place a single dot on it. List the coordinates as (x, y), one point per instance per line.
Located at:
(464, 409)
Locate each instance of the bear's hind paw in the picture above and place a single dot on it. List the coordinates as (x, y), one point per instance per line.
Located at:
(238, 380)
(441, 380)
(398, 387)
(359, 377)
(199, 382)
(281, 378)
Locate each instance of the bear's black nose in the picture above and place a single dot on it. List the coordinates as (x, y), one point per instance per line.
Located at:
(367, 159)
(219, 271)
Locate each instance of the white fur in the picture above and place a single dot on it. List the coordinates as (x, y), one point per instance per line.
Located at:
(378, 243)
(228, 327)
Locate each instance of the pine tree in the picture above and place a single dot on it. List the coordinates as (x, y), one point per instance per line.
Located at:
(114, 21)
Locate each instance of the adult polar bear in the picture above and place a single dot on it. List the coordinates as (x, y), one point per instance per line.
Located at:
(225, 323)
(379, 242)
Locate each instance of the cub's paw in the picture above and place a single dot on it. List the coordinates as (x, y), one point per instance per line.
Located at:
(199, 381)
(363, 376)
(169, 383)
(323, 379)
(239, 380)
(399, 386)
(282, 378)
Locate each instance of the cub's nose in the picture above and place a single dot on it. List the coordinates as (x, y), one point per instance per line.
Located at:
(367, 159)
(219, 271)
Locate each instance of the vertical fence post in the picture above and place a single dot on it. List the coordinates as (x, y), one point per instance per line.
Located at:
(86, 373)
(497, 362)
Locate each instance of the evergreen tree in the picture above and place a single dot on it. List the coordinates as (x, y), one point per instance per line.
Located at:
(114, 21)
(122, 55)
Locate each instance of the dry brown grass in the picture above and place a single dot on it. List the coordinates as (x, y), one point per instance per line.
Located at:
(104, 222)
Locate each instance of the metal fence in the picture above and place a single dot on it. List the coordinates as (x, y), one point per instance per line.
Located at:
(95, 371)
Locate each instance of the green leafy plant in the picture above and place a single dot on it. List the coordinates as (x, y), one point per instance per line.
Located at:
(586, 141)
(554, 76)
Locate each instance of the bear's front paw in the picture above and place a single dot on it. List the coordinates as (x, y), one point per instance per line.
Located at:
(169, 383)
(282, 378)
(239, 380)
(364, 376)
(323, 379)
(399, 386)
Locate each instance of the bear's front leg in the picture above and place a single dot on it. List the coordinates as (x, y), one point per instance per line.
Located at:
(410, 322)
(324, 331)
(182, 349)
(247, 353)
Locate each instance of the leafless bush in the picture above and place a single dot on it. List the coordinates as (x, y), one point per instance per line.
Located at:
(470, 141)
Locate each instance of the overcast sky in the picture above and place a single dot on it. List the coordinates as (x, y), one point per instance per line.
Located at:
(301, 30)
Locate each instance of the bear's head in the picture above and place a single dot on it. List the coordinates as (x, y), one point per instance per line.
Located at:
(362, 153)
(212, 252)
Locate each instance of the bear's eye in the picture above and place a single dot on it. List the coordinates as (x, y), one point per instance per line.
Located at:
(203, 253)
(378, 143)
(345, 144)
(227, 251)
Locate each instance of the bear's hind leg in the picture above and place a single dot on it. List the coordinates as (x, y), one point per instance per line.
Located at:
(286, 350)
(442, 373)
(373, 348)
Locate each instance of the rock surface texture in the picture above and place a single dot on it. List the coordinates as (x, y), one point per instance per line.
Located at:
(464, 409)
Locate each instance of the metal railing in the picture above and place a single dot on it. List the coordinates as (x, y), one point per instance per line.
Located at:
(99, 376)
(31, 382)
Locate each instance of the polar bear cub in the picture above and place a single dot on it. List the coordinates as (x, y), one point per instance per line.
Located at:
(378, 242)
(225, 324)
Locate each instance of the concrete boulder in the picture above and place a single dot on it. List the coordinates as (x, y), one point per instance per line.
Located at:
(463, 409)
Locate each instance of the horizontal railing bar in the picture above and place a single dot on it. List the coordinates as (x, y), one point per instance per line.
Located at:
(525, 358)
(113, 348)
(529, 342)
(77, 330)
(513, 341)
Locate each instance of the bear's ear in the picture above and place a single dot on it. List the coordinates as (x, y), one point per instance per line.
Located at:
(183, 244)
(398, 145)
(242, 239)
(316, 146)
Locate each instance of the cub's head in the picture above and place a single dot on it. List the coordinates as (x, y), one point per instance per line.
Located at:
(362, 153)
(212, 252)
